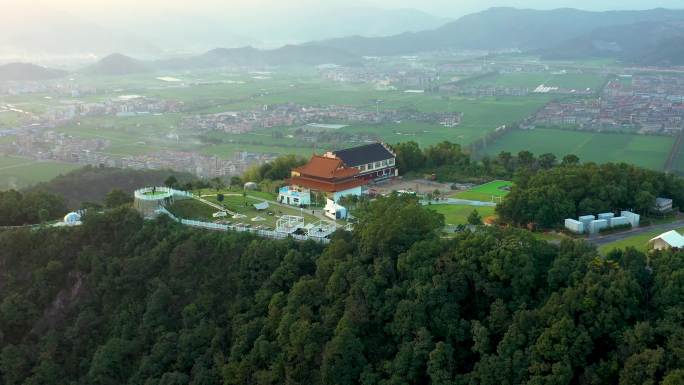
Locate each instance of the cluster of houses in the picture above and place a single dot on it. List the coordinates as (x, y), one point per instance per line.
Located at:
(591, 224)
(292, 114)
(338, 174)
(650, 104)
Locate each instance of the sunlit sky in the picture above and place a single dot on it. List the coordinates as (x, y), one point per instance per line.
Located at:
(450, 8)
(156, 27)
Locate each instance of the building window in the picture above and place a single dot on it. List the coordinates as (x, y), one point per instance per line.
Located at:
(369, 166)
(391, 162)
(377, 164)
(384, 163)
(362, 167)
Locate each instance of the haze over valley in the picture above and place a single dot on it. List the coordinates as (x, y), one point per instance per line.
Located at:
(369, 192)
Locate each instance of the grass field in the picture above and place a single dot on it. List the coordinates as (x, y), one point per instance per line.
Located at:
(458, 215)
(193, 209)
(639, 242)
(532, 80)
(645, 151)
(485, 192)
(19, 172)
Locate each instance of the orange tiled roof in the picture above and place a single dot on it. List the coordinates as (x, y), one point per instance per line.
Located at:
(325, 185)
(326, 168)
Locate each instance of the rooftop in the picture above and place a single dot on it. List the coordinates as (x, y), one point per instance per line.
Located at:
(672, 238)
(368, 153)
(326, 168)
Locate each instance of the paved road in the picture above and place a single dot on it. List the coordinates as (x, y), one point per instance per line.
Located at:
(602, 240)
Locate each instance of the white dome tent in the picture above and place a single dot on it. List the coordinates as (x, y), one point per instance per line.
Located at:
(72, 219)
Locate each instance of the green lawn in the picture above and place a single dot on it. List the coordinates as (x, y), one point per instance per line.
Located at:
(486, 192)
(244, 205)
(532, 80)
(639, 242)
(19, 172)
(458, 215)
(642, 150)
(192, 209)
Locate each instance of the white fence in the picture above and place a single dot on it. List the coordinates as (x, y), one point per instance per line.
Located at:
(241, 229)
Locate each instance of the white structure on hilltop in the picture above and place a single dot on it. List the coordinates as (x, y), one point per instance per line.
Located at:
(668, 240)
(575, 226)
(320, 229)
(633, 218)
(289, 224)
(334, 211)
(72, 219)
(594, 224)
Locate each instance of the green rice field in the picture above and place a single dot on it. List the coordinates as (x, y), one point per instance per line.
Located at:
(641, 150)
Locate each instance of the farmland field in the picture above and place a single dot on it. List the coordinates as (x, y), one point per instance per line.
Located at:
(458, 214)
(19, 172)
(485, 192)
(641, 150)
(532, 80)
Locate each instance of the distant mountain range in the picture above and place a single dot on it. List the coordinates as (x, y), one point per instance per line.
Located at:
(505, 28)
(649, 43)
(117, 64)
(653, 37)
(26, 71)
(40, 32)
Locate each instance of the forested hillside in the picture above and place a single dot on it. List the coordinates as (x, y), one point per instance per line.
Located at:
(91, 184)
(119, 300)
(546, 197)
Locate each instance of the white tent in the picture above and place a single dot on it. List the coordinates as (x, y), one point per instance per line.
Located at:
(668, 240)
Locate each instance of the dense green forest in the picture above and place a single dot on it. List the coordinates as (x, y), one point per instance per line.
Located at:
(17, 209)
(449, 162)
(547, 197)
(124, 301)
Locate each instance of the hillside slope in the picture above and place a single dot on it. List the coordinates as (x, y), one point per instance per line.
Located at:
(657, 43)
(502, 28)
(121, 300)
(28, 72)
(91, 184)
(116, 65)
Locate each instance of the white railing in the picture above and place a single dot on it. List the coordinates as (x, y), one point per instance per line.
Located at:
(241, 229)
(159, 193)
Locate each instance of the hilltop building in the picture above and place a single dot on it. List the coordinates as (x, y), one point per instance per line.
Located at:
(375, 161)
(325, 175)
(336, 174)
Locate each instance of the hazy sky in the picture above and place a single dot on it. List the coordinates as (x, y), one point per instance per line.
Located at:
(450, 8)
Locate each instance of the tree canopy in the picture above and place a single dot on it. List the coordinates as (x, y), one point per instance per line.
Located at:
(121, 300)
(547, 197)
